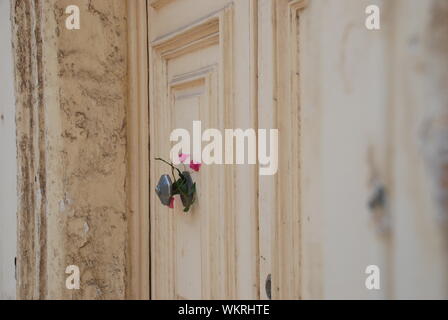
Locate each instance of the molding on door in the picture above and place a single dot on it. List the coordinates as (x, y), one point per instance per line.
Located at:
(287, 272)
(138, 150)
(279, 107)
(159, 4)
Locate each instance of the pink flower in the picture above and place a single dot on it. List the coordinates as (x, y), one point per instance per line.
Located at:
(183, 157)
(195, 166)
(171, 203)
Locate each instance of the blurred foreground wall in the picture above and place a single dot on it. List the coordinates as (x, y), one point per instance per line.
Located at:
(374, 119)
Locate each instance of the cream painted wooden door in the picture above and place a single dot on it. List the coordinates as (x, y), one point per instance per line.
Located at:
(202, 69)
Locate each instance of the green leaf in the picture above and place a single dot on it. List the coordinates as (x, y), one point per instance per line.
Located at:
(193, 189)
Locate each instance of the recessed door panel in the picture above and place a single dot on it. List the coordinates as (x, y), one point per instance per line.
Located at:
(192, 78)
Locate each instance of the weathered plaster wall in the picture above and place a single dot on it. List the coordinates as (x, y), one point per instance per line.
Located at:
(8, 198)
(72, 93)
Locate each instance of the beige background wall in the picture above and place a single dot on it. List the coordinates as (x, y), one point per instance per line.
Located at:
(8, 171)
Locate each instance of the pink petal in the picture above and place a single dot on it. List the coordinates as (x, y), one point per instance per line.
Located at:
(195, 166)
(171, 203)
(183, 157)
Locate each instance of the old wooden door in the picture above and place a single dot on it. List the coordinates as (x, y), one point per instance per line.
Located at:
(201, 68)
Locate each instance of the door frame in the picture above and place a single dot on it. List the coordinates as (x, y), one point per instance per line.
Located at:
(138, 153)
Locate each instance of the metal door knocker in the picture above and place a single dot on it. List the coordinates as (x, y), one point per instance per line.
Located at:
(184, 186)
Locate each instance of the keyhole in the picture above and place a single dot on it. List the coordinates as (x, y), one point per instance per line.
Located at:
(268, 286)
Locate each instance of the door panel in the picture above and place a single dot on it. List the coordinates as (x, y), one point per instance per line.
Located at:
(193, 54)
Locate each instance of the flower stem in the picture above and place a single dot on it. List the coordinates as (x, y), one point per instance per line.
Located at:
(170, 164)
